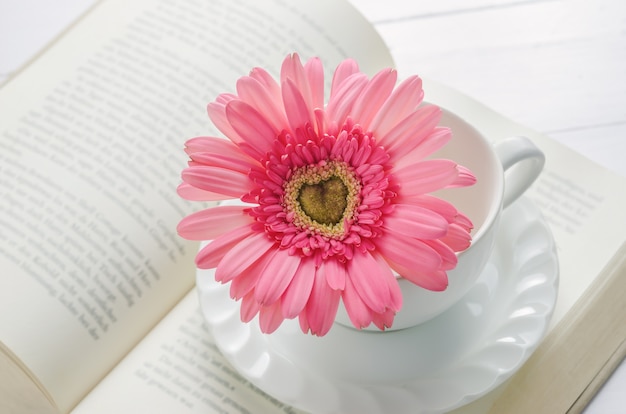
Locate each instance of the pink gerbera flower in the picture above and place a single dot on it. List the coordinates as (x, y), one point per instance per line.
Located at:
(338, 195)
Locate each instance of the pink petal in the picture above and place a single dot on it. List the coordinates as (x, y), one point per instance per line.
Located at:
(373, 96)
(222, 160)
(211, 254)
(458, 238)
(371, 281)
(394, 288)
(265, 99)
(314, 71)
(299, 114)
(242, 255)
(426, 176)
(448, 257)
(344, 70)
(436, 281)
(403, 101)
(243, 284)
(411, 131)
(298, 292)
(212, 222)
(464, 221)
(335, 274)
(383, 320)
(191, 193)
(249, 308)
(465, 178)
(409, 252)
(217, 113)
(321, 309)
(442, 207)
(218, 180)
(209, 144)
(270, 317)
(439, 137)
(358, 312)
(340, 104)
(415, 221)
(257, 133)
(293, 71)
(276, 276)
(267, 81)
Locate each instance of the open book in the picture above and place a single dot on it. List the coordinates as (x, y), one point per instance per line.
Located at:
(98, 311)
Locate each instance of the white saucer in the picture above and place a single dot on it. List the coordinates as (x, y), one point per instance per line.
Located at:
(437, 366)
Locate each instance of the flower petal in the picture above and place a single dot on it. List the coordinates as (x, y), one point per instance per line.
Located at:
(384, 320)
(207, 144)
(358, 312)
(321, 309)
(409, 252)
(299, 114)
(435, 281)
(242, 255)
(371, 281)
(249, 307)
(344, 70)
(458, 237)
(262, 92)
(217, 113)
(442, 207)
(270, 317)
(276, 276)
(373, 97)
(218, 180)
(245, 283)
(211, 254)
(210, 223)
(222, 160)
(426, 176)
(293, 71)
(403, 101)
(298, 292)
(448, 257)
(341, 102)
(394, 288)
(257, 133)
(465, 178)
(315, 74)
(415, 221)
(191, 193)
(335, 274)
(411, 131)
(267, 81)
(439, 137)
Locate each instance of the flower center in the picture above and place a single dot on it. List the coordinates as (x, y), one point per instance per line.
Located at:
(322, 198)
(324, 202)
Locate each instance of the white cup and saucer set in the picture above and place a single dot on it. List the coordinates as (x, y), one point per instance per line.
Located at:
(445, 349)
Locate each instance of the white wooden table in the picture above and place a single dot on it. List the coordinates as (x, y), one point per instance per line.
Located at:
(557, 66)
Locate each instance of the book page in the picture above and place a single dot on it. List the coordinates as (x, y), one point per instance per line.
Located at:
(19, 391)
(91, 140)
(178, 368)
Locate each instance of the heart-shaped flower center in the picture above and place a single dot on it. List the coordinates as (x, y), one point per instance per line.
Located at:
(320, 198)
(324, 202)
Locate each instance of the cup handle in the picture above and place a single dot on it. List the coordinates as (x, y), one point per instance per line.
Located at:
(522, 162)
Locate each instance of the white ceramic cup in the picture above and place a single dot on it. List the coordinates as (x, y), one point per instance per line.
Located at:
(504, 171)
